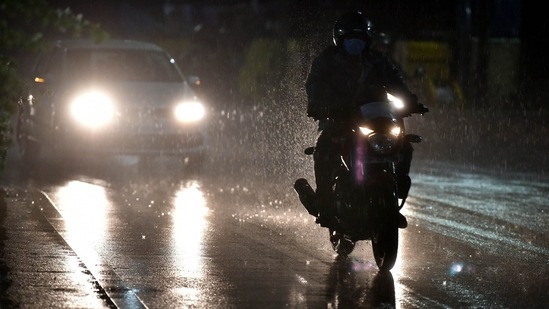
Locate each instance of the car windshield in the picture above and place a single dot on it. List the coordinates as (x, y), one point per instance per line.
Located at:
(121, 65)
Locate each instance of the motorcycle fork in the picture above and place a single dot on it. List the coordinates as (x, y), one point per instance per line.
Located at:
(380, 195)
(363, 169)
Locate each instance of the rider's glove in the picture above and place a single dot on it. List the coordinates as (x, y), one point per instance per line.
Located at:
(420, 109)
(414, 107)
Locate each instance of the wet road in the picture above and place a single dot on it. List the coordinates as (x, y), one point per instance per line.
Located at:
(235, 236)
(167, 239)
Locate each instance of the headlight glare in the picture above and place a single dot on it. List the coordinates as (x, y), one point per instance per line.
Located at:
(93, 109)
(190, 111)
(366, 131)
(395, 131)
(395, 101)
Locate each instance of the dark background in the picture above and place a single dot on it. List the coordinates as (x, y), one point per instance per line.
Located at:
(209, 35)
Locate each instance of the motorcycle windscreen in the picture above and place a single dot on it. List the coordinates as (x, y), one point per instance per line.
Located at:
(378, 109)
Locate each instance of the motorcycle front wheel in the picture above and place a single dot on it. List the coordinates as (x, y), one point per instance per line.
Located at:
(385, 240)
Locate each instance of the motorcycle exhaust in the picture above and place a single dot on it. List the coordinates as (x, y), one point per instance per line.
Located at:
(306, 195)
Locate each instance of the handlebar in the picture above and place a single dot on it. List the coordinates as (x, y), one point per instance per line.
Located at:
(421, 109)
(417, 108)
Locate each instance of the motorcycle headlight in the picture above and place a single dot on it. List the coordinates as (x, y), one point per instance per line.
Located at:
(366, 131)
(395, 131)
(396, 102)
(92, 109)
(383, 143)
(189, 111)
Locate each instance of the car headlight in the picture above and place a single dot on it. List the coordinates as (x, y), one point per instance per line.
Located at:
(93, 109)
(189, 111)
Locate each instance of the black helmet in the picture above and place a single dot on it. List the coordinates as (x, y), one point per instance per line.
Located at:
(353, 25)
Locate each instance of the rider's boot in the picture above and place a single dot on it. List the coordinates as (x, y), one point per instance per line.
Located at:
(401, 221)
(403, 185)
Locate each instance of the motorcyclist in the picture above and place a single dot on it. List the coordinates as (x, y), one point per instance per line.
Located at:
(383, 43)
(344, 76)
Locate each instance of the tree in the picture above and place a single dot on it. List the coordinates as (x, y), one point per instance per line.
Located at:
(26, 26)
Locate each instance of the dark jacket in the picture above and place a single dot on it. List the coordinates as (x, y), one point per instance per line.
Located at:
(338, 83)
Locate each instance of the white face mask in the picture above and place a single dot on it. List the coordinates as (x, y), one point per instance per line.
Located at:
(354, 46)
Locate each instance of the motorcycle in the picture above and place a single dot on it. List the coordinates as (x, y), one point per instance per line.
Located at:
(365, 190)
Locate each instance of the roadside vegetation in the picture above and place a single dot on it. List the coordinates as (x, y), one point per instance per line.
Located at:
(25, 26)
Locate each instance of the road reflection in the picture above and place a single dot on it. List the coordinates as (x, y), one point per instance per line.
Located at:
(84, 207)
(189, 225)
(356, 283)
(153, 231)
(91, 215)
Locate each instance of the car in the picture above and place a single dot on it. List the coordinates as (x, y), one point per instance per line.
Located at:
(116, 97)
